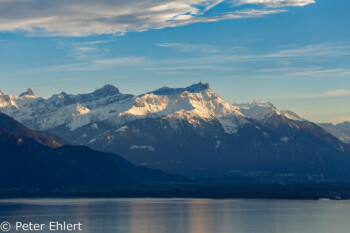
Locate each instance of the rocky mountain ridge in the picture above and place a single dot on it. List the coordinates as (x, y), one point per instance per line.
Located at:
(190, 131)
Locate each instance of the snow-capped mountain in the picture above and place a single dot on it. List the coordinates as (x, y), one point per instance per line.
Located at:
(72, 111)
(190, 131)
(262, 111)
(341, 130)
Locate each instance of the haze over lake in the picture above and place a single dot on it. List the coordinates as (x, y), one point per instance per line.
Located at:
(183, 215)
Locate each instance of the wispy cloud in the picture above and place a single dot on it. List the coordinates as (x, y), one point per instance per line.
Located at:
(84, 52)
(303, 71)
(275, 3)
(184, 47)
(298, 53)
(91, 17)
(212, 5)
(192, 68)
(299, 64)
(94, 64)
(338, 92)
(312, 51)
(315, 72)
(94, 42)
(283, 58)
(327, 94)
(88, 49)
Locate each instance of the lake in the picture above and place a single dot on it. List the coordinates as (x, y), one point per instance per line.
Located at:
(181, 215)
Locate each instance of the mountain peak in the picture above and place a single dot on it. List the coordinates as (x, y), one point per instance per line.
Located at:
(28, 92)
(63, 94)
(198, 87)
(256, 103)
(195, 88)
(106, 90)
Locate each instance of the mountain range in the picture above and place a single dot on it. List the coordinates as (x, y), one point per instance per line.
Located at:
(189, 131)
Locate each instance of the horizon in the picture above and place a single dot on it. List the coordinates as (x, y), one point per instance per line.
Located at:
(294, 54)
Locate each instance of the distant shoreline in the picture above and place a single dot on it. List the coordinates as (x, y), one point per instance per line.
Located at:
(259, 191)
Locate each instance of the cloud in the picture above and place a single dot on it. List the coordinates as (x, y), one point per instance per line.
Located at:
(83, 52)
(95, 42)
(313, 72)
(184, 47)
(91, 17)
(299, 72)
(88, 49)
(192, 68)
(244, 64)
(338, 92)
(212, 5)
(95, 64)
(313, 51)
(304, 52)
(276, 3)
(308, 52)
(330, 93)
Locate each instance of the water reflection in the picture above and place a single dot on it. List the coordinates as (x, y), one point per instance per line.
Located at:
(184, 215)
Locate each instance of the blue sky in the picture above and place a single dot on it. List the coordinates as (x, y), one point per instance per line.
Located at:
(293, 53)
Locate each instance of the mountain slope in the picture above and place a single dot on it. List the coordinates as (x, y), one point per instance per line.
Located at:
(16, 128)
(285, 121)
(29, 165)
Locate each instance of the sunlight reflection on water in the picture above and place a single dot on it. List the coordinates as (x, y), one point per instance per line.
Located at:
(184, 215)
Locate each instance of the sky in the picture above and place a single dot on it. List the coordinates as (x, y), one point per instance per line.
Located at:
(293, 53)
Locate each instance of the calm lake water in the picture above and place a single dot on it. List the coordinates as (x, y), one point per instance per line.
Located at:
(183, 215)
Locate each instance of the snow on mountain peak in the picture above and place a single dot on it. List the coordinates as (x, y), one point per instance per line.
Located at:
(81, 110)
(103, 96)
(29, 92)
(291, 115)
(190, 106)
(195, 104)
(256, 102)
(147, 104)
(260, 110)
(2, 99)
